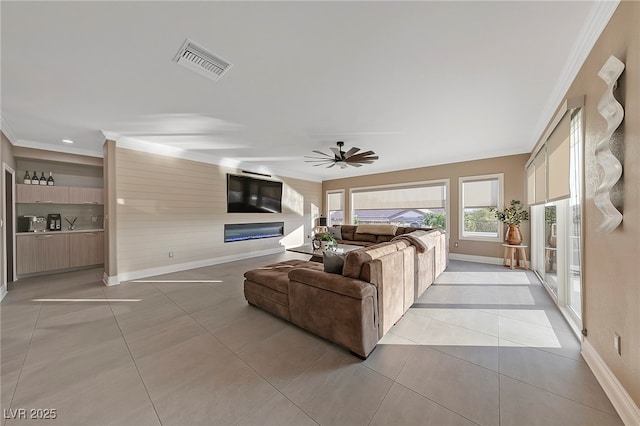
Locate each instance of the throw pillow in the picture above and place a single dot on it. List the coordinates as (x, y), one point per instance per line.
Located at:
(333, 262)
(335, 232)
(380, 229)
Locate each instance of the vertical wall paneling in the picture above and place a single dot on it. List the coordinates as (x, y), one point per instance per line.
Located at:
(166, 204)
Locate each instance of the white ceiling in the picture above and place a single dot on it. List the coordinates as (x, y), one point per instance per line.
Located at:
(419, 83)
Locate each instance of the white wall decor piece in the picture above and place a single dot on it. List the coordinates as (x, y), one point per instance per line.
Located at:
(613, 113)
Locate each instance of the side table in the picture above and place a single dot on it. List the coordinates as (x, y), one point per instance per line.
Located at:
(515, 254)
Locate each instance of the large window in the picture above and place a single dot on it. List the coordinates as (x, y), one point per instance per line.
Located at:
(478, 196)
(335, 207)
(420, 204)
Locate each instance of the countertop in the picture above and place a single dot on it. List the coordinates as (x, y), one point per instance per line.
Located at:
(64, 231)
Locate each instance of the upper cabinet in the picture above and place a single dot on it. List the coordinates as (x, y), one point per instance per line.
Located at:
(58, 195)
(85, 195)
(42, 194)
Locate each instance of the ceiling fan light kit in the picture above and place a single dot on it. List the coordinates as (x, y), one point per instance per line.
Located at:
(342, 159)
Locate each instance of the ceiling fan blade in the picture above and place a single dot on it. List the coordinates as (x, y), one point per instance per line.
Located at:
(322, 153)
(319, 158)
(337, 152)
(318, 161)
(355, 164)
(351, 152)
(328, 167)
(363, 156)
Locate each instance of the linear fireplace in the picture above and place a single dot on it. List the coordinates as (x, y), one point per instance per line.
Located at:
(252, 231)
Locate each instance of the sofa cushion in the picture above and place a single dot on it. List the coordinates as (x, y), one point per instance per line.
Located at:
(380, 229)
(275, 276)
(335, 232)
(347, 232)
(384, 238)
(333, 262)
(364, 237)
(355, 259)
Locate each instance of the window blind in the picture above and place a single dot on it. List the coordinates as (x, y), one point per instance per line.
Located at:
(424, 197)
(531, 184)
(481, 193)
(559, 161)
(541, 177)
(335, 201)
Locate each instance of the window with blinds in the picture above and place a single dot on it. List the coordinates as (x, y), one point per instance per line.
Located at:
(478, 196)
(548, 174)
(335, 208)
(419, 205)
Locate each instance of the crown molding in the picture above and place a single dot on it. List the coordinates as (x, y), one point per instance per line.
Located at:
(595, 23)
(169, 151)
(7, 130)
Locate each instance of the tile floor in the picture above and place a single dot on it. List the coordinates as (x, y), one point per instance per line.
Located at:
(484, 345)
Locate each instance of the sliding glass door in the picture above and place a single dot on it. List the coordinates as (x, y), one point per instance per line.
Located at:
(554, 179)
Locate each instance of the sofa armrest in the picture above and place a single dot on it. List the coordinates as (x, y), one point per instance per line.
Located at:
(333, 282)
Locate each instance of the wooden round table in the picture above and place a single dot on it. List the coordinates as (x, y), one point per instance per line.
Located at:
(515, 254)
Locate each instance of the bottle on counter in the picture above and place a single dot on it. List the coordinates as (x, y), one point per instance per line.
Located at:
(27, 178)
(50, 181)
(34, 179)
(43, 180)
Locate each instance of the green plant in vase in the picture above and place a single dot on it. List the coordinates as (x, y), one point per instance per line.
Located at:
(325, 241)
(513, 216)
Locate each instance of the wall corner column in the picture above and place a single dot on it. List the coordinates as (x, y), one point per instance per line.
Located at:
(110, 223)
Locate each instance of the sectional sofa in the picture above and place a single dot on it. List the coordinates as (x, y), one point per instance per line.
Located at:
(356, 305)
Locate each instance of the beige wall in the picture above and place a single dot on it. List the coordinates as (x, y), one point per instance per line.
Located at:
(169, 204)
(512, 166)
(612, 270)
(6, 157)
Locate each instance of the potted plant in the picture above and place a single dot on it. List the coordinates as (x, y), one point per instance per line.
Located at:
(325, 241)
(513, 216)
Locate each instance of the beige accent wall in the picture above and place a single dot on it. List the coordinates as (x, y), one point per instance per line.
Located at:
(514, 188)
(6, 157)
(611, 266)
(169, 204)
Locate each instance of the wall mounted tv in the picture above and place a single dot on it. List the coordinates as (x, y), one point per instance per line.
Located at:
(250, 195)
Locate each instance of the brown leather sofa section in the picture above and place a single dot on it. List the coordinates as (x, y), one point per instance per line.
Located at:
(350, 236)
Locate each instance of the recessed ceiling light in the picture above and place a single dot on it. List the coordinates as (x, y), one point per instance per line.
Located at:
(67, 141)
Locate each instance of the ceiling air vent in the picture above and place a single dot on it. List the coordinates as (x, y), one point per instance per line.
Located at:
(198, 59)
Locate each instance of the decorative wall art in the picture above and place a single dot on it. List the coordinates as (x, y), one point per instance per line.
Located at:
(611, 110)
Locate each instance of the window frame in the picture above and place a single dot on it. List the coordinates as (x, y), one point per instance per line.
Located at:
(499, 237)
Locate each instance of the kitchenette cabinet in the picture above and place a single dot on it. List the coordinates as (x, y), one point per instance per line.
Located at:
(42, 194)
(51, 251)
(85, 195)
(38, 194)
(86, 248)
(42, 252)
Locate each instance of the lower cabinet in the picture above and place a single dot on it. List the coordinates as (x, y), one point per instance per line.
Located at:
(86, 248)
(44, 252)
(49, 252)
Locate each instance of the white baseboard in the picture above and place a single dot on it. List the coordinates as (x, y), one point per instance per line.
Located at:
(477, 259)
(144, 273)
(109, 281)
(620, 398)
(3, 292)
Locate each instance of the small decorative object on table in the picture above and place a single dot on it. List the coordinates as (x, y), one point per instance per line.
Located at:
(324, 241)
(513, 216)
(71, 222)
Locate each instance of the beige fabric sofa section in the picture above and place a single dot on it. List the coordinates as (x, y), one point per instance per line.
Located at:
(354, 309)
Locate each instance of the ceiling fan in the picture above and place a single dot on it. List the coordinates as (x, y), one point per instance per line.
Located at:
(343, 159)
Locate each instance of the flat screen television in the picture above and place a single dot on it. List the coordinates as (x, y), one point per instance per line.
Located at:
(250, 195)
